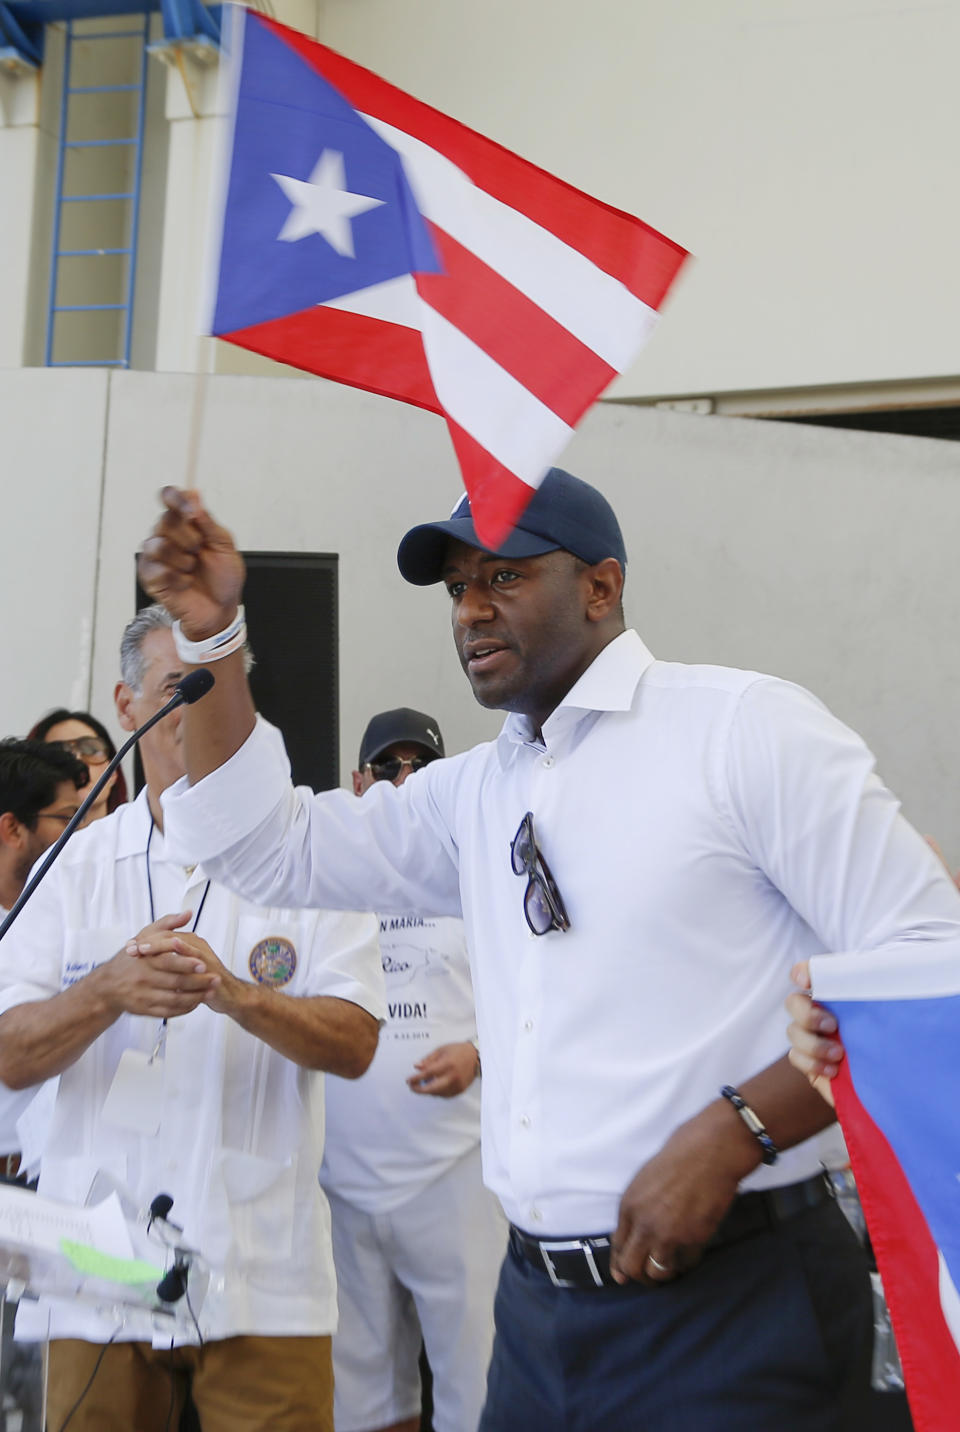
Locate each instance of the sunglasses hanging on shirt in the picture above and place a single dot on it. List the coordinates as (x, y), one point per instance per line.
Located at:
(543, 904)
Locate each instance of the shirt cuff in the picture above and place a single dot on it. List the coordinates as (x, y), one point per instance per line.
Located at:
(202, 821)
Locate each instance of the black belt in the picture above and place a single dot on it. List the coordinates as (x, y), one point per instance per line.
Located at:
(584, 1262)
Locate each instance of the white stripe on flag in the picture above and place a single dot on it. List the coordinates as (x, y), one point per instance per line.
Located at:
(395, 301)
(494, 408)
(589, 303)
(911, 970)
(949, 1299)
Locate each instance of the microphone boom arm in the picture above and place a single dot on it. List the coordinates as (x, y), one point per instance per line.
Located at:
(193, 692)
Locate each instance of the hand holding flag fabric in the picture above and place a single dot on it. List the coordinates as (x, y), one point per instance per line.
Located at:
(897, 1092)
(813, 1050)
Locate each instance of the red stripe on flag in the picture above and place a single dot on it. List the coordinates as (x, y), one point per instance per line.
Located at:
(497, 496)
(511, 329)
(645, 261)
(369, 353)
(907, 1259)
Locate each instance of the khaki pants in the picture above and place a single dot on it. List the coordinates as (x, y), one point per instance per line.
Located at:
(241, 1384)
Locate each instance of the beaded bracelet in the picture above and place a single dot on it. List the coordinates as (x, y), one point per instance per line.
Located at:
(753, 1122)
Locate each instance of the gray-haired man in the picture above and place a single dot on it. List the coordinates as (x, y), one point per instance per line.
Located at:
(243, 1007)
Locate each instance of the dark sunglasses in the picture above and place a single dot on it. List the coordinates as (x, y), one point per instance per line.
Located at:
(87, 748)
(389, 769)
(543, 904)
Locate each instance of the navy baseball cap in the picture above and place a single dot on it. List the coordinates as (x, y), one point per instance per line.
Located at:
(389, 728)
(564, 512)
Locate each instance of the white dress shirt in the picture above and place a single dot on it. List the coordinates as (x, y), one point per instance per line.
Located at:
(706, 827)
(240, 1135)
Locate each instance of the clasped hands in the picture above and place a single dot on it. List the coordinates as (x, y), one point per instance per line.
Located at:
(165, 971)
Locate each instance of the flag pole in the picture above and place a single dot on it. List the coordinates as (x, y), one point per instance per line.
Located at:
(198, 406)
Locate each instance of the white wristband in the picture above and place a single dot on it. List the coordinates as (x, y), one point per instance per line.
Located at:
(214, 648)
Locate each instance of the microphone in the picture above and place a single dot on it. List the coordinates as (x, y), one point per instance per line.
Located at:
(193, 686)
(161, 1206)
(173, 1284)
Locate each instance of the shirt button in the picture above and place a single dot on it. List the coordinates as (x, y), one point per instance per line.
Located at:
(547, 762)
(528, 1025)
(536, 1215)
(525, 1121)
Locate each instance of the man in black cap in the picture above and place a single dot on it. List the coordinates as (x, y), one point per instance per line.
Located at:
(417, 1239)
(639, 858)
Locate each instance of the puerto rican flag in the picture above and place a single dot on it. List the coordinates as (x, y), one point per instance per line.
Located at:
(898, 1101)
(370, 239)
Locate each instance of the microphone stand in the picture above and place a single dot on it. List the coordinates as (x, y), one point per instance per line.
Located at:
(188, 691)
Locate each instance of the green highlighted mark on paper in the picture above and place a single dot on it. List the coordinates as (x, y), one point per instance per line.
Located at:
(94, 1264)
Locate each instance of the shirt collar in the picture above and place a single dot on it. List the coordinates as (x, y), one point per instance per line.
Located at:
(608, 684)
(134, 821)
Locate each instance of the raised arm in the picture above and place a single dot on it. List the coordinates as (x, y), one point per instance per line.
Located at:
(191, 564)
(240, 816)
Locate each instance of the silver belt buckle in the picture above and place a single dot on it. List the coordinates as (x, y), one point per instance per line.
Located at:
(572, 1245)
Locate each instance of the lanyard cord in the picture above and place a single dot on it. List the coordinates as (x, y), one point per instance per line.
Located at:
(161, 1037)
(153, 913)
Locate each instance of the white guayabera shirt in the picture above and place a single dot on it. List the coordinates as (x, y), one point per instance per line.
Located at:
(241, 1128)
(706, 827)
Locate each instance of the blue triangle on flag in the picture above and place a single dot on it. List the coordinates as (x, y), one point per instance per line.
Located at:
(287, 116)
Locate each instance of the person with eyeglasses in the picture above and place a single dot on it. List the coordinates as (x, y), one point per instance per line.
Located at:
(89, 740)
(639, 859)
(417, 1239)
(41, 788)
(40, 792)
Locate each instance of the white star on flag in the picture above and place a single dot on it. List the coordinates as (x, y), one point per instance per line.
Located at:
(323, 204)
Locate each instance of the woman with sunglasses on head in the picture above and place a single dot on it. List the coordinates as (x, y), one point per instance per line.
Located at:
(88, 739)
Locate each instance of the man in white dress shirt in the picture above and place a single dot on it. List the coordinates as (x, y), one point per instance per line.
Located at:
(417, 1239)
(194, 1071)
(639, 859)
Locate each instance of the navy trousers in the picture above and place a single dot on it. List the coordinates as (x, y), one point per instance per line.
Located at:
(769, 1334)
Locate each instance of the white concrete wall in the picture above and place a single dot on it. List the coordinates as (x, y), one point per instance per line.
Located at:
(53, 448)
(824, 556)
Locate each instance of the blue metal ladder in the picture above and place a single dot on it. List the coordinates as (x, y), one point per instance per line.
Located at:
(130, 196)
